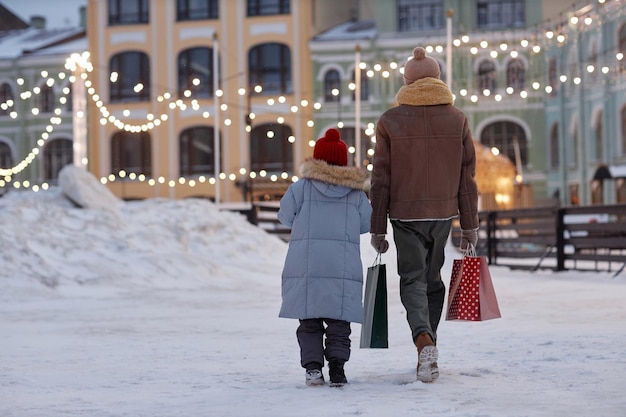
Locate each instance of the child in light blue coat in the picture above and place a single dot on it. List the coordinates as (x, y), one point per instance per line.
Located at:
(322, 280)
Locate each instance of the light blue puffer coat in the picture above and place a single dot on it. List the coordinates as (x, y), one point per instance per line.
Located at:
(327, 211)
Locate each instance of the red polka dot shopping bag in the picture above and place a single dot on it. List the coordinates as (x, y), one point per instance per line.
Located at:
(471, 296)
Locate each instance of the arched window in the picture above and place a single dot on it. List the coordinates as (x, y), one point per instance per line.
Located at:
(554, 146)
(515, 74)
(348, 135)
(57, 154)
(69, 99)
(573, 70)
(487, 76)
(130, 77)
(46, 99)
(6, 99)
(598, 133)
(271, 148)
(621, 46)
(623, 124)
(504, 135)
(196, 151)
(593, 60)
(552, 77)
(131, 152)
(6, 160)
(332, 86)
(574, 148)
(365, 86)
(270, 67)
(195, 72)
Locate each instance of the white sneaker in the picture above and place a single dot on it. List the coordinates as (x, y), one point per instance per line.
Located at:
(427, 369)
(314, 377)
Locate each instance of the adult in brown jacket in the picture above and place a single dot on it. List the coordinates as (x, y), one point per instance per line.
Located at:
(423, 177)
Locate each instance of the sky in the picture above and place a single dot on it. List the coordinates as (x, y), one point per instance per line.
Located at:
(163, 308)
(58, 13)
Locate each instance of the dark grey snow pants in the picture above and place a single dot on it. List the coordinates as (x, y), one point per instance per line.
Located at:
(420, 247)
(310, 335)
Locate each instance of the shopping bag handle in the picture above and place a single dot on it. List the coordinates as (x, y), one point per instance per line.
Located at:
(378, 259)
(470, 250)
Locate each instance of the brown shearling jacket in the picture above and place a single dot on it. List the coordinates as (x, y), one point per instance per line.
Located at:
(424, 161)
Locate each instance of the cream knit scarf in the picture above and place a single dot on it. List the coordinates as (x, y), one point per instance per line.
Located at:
(425, 92)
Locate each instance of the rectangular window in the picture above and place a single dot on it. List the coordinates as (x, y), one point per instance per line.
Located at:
(197, 9)
(128, 12)
(420, 15)
(500, 14)
(268, 7)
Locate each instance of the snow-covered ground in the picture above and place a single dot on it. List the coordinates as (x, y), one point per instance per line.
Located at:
(167, 308)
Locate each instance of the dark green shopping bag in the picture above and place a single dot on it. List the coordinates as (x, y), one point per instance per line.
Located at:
(374, 331)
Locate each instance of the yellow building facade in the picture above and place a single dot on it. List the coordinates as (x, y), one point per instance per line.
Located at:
(154, 99)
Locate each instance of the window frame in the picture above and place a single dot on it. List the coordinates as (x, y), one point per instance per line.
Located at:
(500, 134)
(261, 71)
(365, 86)
(189, 162)
(491, 14)
(621, 46)
(516, 74)
(267, 7)
(6, 156)
(118, 17)
(487, 79)
(598, 137)
(6, 94)
(410, 11)
(45, 99)
(121, 90)
(623, 126)
(121, 158)
(555, 157)
(330, 83)
(186, 12)
(57, 153)
(272, 159)
(204, 89)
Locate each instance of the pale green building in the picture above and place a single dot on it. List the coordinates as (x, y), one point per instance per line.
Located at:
(495, 55)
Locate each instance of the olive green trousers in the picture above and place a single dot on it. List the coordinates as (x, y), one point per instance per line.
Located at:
(420, 247)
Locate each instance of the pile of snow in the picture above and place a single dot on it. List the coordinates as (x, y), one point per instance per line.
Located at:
(163, 308)
(80, 233)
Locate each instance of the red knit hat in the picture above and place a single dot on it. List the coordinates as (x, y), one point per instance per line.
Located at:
(331, 148)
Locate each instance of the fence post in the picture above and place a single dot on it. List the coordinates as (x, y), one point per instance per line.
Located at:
(491, 238)
(560, 240)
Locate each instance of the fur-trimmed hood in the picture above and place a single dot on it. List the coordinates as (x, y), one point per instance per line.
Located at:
(425, 92)
(350, 177)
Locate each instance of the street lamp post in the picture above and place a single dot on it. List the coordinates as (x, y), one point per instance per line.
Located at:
(216, 130)
(250, 115)
(357, 106)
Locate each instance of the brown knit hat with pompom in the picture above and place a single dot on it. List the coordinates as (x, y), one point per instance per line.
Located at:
(420, 66)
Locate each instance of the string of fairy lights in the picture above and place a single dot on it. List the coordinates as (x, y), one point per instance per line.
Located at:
(547, 35)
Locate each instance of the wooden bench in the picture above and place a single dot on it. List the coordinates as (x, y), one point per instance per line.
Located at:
(587, 238)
